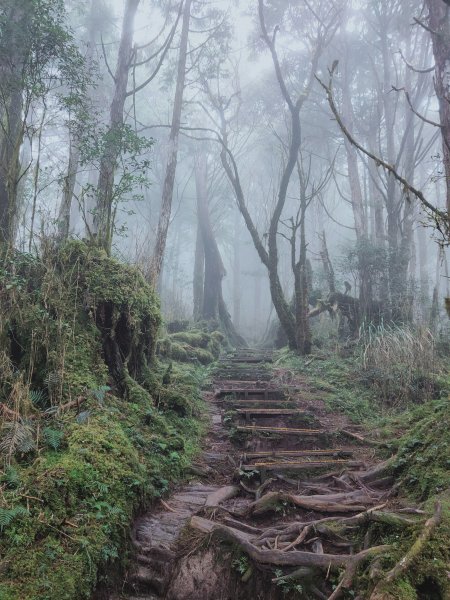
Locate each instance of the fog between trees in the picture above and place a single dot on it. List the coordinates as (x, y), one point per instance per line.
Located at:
(198, 141)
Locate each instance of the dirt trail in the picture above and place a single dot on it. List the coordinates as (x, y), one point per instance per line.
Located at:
(271, 446)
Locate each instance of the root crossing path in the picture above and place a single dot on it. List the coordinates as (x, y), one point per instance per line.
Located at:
(279, 502)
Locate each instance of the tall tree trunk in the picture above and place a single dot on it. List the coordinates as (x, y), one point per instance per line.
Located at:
(74, 150)
(199, 272)
(214, 307)
(327, 264)
(439, 23)
(237, 272)
(301, 287)
(15, 44)
(424, 277)
(171, 167)
(103, 218)
(214, 269)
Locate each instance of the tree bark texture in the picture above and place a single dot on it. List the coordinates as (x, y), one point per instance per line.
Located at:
(14, 48)
(171, 167)
(103, 218)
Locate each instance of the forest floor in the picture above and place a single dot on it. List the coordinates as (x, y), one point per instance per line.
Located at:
(290, 498)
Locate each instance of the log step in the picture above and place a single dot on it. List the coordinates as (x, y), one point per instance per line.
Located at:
(266, 392)
(276, 402)
(279, 453)
(270, 411)
(281, 430)
(298, 465)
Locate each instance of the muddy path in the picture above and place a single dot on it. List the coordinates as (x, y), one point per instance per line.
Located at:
(275, 470)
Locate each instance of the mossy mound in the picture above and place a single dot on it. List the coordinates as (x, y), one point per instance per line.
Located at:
(92, 426)
(195, 346)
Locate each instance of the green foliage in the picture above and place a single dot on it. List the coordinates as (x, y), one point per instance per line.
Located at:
(288, 585)
(241, 564)
(7, 515)
(126, 150)
(17, 437)
(53, 437)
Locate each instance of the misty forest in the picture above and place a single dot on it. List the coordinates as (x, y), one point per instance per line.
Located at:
(224, 299)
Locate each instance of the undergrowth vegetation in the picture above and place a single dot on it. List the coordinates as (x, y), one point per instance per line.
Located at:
(94, 425)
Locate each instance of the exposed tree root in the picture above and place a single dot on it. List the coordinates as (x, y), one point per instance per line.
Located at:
(220, 495)
(276, 557)
(327, 503)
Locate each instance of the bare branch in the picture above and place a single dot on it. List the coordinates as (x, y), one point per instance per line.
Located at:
(415, 69)
(408, 99)
(106, 60)
(440, 216)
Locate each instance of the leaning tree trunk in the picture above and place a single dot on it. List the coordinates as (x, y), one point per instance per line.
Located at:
(103, 220)
(169, 180)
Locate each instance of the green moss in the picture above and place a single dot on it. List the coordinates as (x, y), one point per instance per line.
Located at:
(192, 346)
(198, 339)
(178, 352)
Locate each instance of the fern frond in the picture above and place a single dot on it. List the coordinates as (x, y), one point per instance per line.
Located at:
(53, 437)
(7, 515)
(17, 436)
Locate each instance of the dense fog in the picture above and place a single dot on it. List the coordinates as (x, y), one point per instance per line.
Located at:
(205, 99)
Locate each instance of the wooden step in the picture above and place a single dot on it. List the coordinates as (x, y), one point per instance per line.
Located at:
(267, 412)
(338, 452)
(299, 465)
(280, 430)
(250, 393)
(249, 359)
(275, 403)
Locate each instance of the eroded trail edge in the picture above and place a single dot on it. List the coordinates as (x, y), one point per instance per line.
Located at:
(280, 503)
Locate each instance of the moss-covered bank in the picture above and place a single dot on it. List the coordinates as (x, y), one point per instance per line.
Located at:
(417, 437)
(93, 427)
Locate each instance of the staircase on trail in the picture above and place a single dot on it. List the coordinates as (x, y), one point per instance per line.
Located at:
(258, 426)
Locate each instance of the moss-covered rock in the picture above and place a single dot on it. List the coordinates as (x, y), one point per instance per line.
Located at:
(195, 346)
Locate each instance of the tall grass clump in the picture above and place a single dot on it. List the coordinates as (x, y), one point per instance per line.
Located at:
(400, 362)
